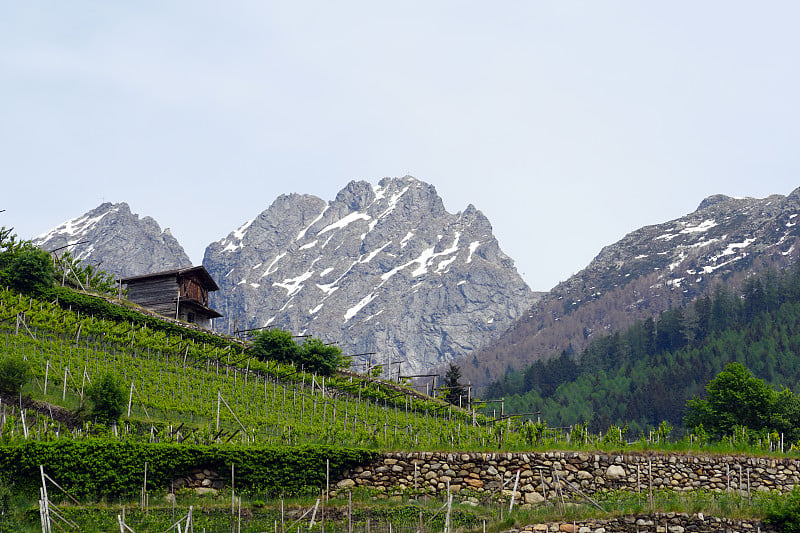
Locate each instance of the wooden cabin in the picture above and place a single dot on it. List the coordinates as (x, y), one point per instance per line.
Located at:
(181, 294)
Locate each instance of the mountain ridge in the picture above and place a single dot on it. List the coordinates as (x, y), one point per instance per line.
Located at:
(387, 269)
(647, 271)
(383, 269)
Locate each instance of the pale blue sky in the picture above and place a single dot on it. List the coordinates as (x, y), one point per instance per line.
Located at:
(568, 124)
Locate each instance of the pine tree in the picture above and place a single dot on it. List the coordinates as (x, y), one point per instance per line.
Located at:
(454, 391)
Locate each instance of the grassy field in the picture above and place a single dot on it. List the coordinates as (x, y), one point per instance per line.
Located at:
(363, 511)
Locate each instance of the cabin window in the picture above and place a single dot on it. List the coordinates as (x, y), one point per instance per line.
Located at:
(190, 318)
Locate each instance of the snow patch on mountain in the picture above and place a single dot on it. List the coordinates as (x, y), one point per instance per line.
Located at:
(472, 247)
(75, 227)
(305, 229)
(353, 311)
(339, 224)
(699, 228)
(234, 242)
(293, 285)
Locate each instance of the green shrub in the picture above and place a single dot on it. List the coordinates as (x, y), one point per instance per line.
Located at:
(275, 345)
(108, 399)
(784, 512)
(14, 374)
(30, 271)
(317, 356)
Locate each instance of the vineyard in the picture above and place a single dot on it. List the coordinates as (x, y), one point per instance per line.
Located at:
(192, 388)
(183, 390)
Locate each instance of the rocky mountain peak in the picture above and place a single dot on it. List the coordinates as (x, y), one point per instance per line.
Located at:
(472, 216)
(794, 196)
(356, 195)
(118, 241)
(711, 200)
(381, 269)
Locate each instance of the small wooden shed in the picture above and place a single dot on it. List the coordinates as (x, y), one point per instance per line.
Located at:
(181, 294)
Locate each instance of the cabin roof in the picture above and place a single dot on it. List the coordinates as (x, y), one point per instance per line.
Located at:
(197, 307)
(199, 271)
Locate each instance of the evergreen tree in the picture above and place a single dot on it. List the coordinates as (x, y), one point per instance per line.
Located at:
(666, 362)
(455, 392)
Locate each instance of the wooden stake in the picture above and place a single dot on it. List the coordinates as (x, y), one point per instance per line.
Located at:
(544, 487)
(650, 482)
(130, 400)
(449, 509)
(144, 488)
(514, 494)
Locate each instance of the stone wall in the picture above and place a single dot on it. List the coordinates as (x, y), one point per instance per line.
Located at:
(479, 475)
(201, 480)
(655, 523)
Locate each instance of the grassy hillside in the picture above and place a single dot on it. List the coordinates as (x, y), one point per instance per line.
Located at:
(213, 390)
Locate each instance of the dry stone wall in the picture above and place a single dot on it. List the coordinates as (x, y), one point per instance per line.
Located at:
(655, 523)
(536, 476)
(201, 480)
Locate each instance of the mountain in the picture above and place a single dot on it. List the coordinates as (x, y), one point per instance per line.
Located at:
(117, 241)
(385, 270)
(649, 270)
(647, 373)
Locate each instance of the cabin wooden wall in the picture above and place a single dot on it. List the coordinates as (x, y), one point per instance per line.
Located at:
(158, 294)
(193, 290)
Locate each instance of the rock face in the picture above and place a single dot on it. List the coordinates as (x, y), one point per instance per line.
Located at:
(385, 270)
(118, 241)
(646, 272)
(722, 236)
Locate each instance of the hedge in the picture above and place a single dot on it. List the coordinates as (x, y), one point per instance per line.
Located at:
(98, 468)
(100, 308)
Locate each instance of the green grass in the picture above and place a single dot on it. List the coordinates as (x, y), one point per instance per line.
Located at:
(259, 513)
(262, 513)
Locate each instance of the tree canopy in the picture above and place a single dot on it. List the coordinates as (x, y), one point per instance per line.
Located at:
(275, 345)
(313, 355)
(23, 266)
(736, 398)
